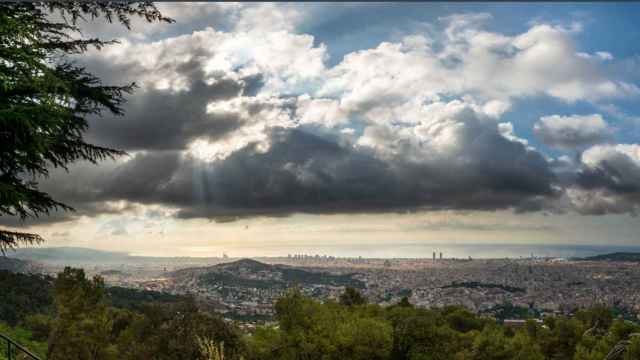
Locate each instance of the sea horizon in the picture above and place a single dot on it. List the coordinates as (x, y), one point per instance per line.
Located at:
(392, 251)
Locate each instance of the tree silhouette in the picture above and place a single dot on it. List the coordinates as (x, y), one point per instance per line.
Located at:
(351, 297)
(45, 99)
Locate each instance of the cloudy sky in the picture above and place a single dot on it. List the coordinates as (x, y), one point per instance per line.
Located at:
(265, 129)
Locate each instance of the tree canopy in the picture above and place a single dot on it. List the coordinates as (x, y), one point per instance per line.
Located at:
(46, 98)
(80, 318)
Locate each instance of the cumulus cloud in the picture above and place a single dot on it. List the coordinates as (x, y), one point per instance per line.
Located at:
(250, 120)
(286, 60)
(228, 16)
(467, 60)
(574, 131)
(608, 180)
(462, 162)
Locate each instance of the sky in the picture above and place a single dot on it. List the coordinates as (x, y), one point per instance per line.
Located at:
(268, 129)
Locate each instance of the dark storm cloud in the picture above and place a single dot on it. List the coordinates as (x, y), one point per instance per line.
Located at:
(305, 173)
(449, 225)
(164, 119)
(302, 172)
(609, 178)
(618, 174)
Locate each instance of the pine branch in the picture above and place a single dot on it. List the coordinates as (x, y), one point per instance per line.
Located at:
(9, 240)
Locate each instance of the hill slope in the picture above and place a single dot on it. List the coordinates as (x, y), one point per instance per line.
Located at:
(68, 254)
(617, 256)
(17, 265)
(248, 273)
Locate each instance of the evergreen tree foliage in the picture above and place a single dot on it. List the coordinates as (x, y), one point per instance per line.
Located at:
(82, 326)
(351, 297)
(84, 323)
(45, 99)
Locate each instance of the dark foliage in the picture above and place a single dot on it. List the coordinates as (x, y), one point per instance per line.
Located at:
(22, 295)
(234, 275)
(476, 284)
(133, 299)
(45, 99)
(618, 256)
(352, 297)
(83, 324)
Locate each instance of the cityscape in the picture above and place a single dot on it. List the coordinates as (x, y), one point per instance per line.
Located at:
(246, 290)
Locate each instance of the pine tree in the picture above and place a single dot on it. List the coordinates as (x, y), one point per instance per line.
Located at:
(45, 99)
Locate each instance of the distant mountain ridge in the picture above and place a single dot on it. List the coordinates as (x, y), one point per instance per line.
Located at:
(616, 256)
(17, 265)
(61, 254)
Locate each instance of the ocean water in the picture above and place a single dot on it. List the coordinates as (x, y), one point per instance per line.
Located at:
(460, 251)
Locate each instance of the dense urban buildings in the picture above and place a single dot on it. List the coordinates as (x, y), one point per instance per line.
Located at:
(523, 287)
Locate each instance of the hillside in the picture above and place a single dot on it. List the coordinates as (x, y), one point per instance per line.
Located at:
(67, 255)
(24, 294)
(15, 265)
(617, 256)
(247, 273)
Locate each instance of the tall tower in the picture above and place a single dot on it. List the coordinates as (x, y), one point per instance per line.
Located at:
(434, 256)
(440, 255)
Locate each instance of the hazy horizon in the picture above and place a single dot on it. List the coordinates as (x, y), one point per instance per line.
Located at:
(397, 251)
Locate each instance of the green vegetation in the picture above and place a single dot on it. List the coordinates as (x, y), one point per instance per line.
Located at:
(299, 276)
(225, 279)
(234, 275)
(312, 330)
(80, 318)
(351, 297)
(476, 284)
(618, 256)
(83, 319)
(509, 311)
(133, 299)
(22, 295)
(23, 337)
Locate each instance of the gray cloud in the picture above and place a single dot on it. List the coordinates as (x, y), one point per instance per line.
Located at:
(302, 172)
(468, 226)
(607, 181)
(305, 173)
(569, 132)
(166, 119)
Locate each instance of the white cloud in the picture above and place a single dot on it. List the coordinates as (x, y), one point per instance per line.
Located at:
(612, 156)
(325, 112)
(442, 132)
(286, 60)
(257, 114)
(268, 17)
(471, 61)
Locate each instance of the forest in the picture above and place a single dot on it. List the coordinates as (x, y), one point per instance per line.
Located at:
(72, 316)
